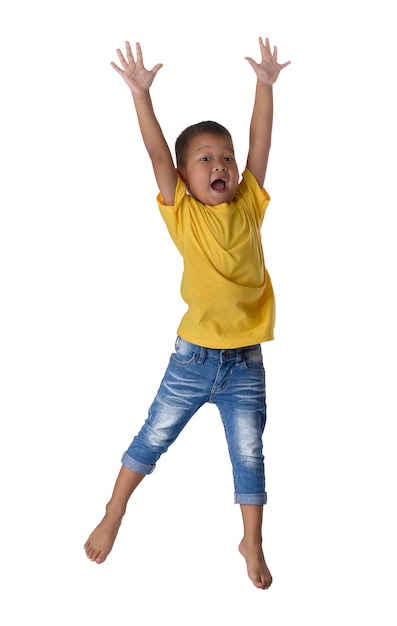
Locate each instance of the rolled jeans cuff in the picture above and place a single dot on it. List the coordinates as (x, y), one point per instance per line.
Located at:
(250, 498)
(136, 466)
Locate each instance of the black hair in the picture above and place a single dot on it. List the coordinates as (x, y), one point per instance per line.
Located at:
(183, 141)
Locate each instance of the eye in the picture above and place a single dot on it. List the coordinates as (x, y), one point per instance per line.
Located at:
(205, 159)
(229, 159)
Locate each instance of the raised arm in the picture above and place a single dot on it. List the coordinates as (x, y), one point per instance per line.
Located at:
(139, 80)
(267, 72)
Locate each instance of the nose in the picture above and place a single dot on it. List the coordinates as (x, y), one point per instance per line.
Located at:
(220, 167)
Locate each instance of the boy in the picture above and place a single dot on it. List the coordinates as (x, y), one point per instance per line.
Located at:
(215, 222)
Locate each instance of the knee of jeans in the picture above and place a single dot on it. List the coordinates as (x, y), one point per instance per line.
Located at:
(252, 461)
(249, 450)
(248, 445)
(158, 438)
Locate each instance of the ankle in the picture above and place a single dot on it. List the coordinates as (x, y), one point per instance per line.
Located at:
(115, 511)
(251, 541)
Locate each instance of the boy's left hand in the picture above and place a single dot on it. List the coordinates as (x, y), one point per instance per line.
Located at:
(268, 69)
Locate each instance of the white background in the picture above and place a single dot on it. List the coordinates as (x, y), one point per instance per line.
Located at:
(90, 285)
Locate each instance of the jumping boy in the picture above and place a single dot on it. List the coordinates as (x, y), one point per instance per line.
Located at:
(214, 219)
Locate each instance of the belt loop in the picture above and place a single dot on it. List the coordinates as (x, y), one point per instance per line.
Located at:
(202, 356)
(240, 355)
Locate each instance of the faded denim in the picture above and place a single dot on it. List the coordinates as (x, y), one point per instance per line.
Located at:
(233, 380)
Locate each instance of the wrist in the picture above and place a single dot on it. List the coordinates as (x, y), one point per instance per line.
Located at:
(139, 92)
(265, 85)
(140, 95)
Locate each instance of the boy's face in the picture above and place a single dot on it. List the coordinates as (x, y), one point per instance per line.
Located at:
(210, 172)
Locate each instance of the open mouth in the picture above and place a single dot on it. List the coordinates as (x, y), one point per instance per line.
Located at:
(218, 185)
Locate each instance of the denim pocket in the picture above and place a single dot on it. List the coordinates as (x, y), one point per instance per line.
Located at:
(253, 360)
(183, 355)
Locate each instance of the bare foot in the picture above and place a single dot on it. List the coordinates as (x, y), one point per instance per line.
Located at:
(101, 540)
(256, 565)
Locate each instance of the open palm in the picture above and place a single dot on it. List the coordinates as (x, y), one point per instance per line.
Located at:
(268, 69)
(137, 77)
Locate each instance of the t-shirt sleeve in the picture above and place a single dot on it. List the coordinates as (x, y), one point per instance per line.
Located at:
(171, 214)
(256, 197)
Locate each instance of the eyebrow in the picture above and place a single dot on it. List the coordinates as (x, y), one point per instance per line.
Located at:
(202, 148)
(226, 147)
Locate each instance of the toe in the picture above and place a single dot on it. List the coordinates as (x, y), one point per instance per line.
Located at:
(100, 558)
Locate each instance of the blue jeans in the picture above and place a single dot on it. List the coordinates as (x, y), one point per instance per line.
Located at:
(234, 380)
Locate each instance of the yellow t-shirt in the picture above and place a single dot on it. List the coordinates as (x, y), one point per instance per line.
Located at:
(225, 283)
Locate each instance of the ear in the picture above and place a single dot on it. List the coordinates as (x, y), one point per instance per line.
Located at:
(182, 174)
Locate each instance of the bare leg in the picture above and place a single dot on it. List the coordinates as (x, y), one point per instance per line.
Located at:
(101, 540)
(251, 546)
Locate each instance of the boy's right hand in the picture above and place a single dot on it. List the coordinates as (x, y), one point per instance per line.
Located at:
(137, 77)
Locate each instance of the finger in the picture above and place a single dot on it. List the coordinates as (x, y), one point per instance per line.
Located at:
(139, 57)
(117, 68)
(262, 46)
(253, 63)
(282, 65)
(121, 57)
(130, 56)
(275, 53)
(156, 68)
